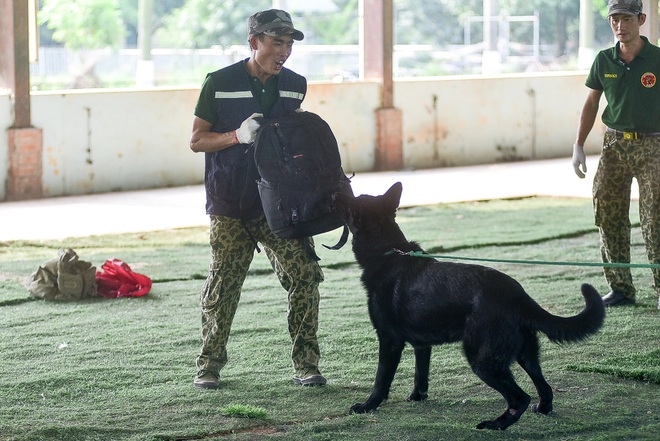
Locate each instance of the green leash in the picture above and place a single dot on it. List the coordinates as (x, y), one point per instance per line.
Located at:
(527, 262)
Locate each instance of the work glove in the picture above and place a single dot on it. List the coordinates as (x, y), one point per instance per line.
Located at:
(579, 160)
(248, 129)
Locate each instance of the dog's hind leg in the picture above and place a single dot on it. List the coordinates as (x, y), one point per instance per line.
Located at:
(490, 356)
(389, 355)
(502, 381)
(528, 358)
(422, 361)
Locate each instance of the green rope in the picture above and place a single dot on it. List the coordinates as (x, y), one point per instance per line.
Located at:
(528, 262)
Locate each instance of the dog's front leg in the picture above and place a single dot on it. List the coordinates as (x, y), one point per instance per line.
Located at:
(421, 386)
(389, 355)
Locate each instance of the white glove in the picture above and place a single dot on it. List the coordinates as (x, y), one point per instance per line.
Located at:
(579, 160)
(248, 129)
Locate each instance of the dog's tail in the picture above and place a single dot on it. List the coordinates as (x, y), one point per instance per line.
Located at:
(578, 327)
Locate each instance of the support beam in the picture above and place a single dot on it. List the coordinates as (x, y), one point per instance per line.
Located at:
(371, 41)
(650, 28)
(389, 138)
(377, 56)
(388, 53)
(24, 142)
(145, 72)
(586, 49)
(6, 44)
(14, 61)
(24, 178)
(491, 59)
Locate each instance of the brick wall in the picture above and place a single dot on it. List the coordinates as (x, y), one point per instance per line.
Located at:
(25, 148)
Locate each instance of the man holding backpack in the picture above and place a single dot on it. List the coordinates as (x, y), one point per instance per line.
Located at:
(224, 127)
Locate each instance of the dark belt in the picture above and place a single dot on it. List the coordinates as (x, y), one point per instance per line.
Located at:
(631, 135)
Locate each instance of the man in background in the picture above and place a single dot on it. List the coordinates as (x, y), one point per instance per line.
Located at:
(628, 76)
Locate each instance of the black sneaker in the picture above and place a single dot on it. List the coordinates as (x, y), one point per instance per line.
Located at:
(617, 298)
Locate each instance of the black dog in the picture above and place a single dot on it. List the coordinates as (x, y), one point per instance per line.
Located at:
(426, 302)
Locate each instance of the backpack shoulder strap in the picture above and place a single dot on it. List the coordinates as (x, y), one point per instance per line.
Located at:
(342, 240)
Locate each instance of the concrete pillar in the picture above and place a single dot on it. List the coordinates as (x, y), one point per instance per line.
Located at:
(650, 28)
(25, 164)
(586, 49)
(14, 61)
(491, 61)
(491, 30)
(371, 39)
(389, 139)
(145, 72)
(6, 44)
(24, 142)
(377, 57)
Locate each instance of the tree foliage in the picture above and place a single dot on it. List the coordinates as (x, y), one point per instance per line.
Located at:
(129, 9)
(441, 23)
(84, 24)
(337, 27)
(200, 24)
(436, 23)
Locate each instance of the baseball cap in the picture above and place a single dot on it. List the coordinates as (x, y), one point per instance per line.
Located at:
(273, 22)
(626, 7)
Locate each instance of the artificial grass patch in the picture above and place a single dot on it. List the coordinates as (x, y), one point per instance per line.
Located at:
(122, 369)
(244, 411)
(635, 366)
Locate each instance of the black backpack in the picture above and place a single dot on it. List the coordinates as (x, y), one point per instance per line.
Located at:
(299, 167)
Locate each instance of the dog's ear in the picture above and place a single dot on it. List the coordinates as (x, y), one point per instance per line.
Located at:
(393, 195)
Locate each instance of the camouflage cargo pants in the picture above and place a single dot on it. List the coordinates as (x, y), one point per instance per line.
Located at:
(232, 249)
(620, 162)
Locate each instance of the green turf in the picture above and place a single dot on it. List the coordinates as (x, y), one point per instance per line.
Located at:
(122, 369)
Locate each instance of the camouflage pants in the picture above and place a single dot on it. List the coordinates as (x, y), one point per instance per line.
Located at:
(232, 249)
(620, 162)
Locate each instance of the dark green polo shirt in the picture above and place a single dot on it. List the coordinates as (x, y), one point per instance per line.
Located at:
(631, 90)
(265, 94)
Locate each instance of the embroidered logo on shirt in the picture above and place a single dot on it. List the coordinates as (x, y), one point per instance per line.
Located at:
(648, 80)
(607, 75)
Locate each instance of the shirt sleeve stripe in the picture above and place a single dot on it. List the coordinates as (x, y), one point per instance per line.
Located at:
(294, 95)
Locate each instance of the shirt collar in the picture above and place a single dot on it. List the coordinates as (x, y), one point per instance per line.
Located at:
(642, 54)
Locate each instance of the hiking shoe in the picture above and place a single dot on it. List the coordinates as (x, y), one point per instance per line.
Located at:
(309, 379)
(206, 380)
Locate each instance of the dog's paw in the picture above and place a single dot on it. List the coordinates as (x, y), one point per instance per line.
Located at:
(491, 425)
(358, 408)
(544, 409)
(417, 396)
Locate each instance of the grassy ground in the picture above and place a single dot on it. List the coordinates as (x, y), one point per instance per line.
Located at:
(122, 369)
